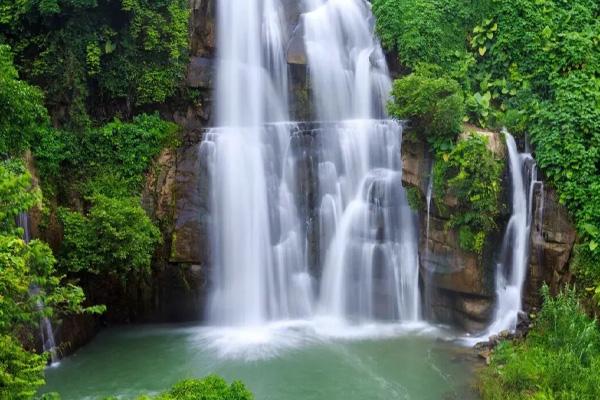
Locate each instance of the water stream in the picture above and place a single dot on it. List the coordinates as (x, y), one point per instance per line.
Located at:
(46, 330)
(513, 264)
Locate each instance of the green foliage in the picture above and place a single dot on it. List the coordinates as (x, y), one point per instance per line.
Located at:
(29, 285)
(110, 160)
(558, 360)
(98, 57)
(471, 175)
(433, 103)
(21, 108)
(21, 372)
(16, 195)
(542, 70)
(209, 388)
(116, 236)
(415, 198)
(429, 31)
(532, 66)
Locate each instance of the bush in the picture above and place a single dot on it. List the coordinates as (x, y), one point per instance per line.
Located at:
(558, 360)
(98, 58)
(109, 160)
(116, 237)
(433, 103)
(209, 388)
(21, 107)
(471, 174)
(21, 372)
(430, 31)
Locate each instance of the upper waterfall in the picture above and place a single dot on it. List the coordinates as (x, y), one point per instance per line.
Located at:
(350, 78)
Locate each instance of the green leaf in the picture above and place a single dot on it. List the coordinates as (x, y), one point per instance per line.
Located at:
(482, 51)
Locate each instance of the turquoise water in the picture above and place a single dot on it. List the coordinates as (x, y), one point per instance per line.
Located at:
(278, 363)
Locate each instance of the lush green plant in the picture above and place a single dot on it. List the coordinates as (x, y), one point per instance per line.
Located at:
(110, 160)
(541, 70)
(429, 31)
(21, 372)
(23, 267)
(98, 57)
(21, 108)
(415, 198)
(210, 388)
(115, 236)
(432, 103)
(558, 360)
(471, 174)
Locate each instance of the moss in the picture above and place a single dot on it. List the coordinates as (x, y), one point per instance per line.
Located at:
(415, 198)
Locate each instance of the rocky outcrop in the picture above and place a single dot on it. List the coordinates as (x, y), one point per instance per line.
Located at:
(458, 286)
(552, 238)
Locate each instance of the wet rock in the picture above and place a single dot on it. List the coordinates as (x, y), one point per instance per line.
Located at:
(190, 242)
(296, 50)
(552, 238)
(200, 73)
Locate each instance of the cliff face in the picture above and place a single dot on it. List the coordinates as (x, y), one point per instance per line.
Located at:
(458, 286)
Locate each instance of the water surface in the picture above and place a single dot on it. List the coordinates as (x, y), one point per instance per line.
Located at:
(285, 362)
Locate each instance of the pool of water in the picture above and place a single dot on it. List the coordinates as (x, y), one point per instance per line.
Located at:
(290, 361)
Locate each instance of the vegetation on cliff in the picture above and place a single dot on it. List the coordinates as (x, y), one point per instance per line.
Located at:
(533, 67)
(471, 174)
(31, 288)
(80, 85)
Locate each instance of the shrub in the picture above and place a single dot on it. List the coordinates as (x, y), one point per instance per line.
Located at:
(115, 236)
(209, 388)
(430, 31)
(24, 266)
(558, 360)
(98, 58)
(21, 372)
(108, 160)
(433, 103)
(21, 108)
(471, 174)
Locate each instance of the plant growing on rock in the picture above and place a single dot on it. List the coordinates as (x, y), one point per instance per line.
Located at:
(115, 236)
(433, 104)
(470, 174)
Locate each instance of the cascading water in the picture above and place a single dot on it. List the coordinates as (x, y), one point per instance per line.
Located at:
(368, 237)
(514, 257)
(46, 331)
(258, 245)
(367, 244)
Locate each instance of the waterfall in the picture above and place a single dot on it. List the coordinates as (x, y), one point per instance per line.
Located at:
(368, 234)
(511, 271)
(261, 236)
(258, 241)
(46, 331)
